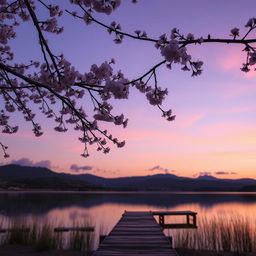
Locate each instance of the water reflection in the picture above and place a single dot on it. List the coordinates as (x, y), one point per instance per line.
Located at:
(42, 203)
(103, 210)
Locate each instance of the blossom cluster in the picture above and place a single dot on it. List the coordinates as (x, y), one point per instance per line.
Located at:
(174, 52)
(61, 92)
(106, 6)
(55, 80)
(251, 51)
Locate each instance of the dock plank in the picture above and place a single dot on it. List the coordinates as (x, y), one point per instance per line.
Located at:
(136, 233)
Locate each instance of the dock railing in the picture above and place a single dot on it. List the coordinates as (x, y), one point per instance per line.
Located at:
(190, 219)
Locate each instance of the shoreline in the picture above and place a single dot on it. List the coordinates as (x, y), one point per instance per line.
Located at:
(38, 191)
(20, 250)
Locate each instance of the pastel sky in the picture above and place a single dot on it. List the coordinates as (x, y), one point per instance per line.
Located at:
(215, 127)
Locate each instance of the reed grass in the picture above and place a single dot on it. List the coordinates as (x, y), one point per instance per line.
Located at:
(19, 233)
(41, 236)
(218, 234)
(45, 239)
(81, 241)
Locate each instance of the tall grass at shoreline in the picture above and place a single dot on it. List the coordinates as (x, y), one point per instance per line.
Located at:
(41, 236)
(82, 241)
(217, 234)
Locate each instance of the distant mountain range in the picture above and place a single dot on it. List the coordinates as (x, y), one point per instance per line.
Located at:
(16, 177)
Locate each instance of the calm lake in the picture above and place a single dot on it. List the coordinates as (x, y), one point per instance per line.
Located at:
(103, 210)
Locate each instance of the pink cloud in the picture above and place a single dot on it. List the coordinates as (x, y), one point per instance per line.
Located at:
(223, 128)
(231, 59)
(21, 134)
(186, 120)
(233, 90)
(239, 109)
(156, 135)
(227, 135)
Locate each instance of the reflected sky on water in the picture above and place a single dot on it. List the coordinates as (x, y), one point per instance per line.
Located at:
(103, 210)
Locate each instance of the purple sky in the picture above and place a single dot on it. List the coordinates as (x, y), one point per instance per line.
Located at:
(215, 128)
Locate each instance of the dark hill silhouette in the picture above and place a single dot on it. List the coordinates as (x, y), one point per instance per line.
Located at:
(38, 177)
(14, 171)
(26, 177)
(169, 182)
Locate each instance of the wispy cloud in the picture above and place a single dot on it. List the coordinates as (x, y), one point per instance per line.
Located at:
(161, 169)
(221, 173)
(225, 173)
(77, 168)
(187, 120)
(27, 162)
(110, 172)
(215, 173)
(202, 174)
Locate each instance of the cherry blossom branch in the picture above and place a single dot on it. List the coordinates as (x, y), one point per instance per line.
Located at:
(23, 106)
(4, 150)
(110, 28)
(143, 38)
(85, 124)
(3, 10)
(18, 87)
(41, 37)
(54, 79)
(147, 73)
(177, 39)
(40, 85)
(215, 40)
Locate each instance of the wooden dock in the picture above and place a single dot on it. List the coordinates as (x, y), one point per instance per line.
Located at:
(136, 233)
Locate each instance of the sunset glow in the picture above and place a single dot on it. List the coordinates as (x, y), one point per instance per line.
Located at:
(215, 127)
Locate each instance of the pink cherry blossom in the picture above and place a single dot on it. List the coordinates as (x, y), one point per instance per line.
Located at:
(82, 99)
(235, 32)
(252, 58)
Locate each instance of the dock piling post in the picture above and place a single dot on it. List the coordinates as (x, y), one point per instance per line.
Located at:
(194, 220)
(161, 220)
(102, 237)
(187, 219)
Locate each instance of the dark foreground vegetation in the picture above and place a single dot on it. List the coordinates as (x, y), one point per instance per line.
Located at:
(190, 252)
(218, 236)
(32, 237)
(23, 250)
(214, 237)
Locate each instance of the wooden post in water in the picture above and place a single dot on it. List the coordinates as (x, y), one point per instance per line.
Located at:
(187, 219)
(194, 219)
(102, 237)
(161, 220)
(67, 229)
